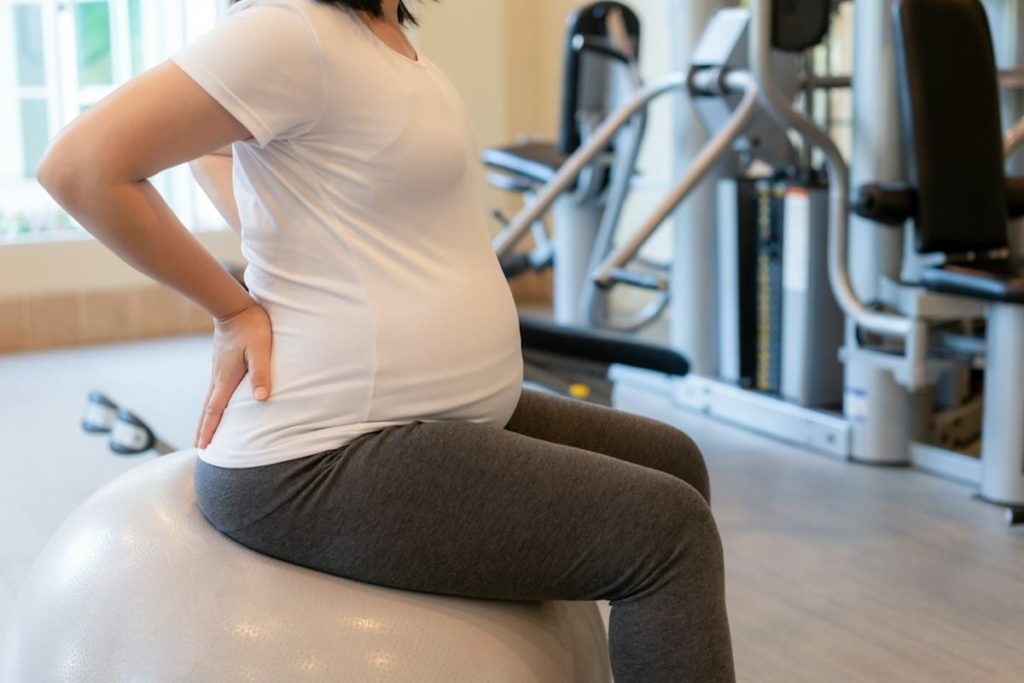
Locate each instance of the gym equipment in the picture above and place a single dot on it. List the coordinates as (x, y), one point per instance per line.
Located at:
(912, 348)
(575, 362)
(726, 96)
(137, 585)
(129, 434)
(804, 377)
(727, 99)
(710, 76)
(960, 202)
(600, 70)
(100, 414)
(570, 357)
(779, 326)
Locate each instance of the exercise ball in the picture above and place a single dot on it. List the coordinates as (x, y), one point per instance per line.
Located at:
(138, 586)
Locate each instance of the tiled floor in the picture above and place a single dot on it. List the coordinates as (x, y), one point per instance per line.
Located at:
(835, 572)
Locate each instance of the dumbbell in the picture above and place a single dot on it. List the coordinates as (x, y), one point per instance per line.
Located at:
(129, 434)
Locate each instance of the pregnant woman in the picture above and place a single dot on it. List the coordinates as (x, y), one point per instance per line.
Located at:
(382, 433)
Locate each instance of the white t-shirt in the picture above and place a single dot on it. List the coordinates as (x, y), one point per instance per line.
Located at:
(365, 233)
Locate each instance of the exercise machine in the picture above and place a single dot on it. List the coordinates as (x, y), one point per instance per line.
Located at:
(727, 96)
(959, 201)
(601, 71)
(911, 346)
(571, 356)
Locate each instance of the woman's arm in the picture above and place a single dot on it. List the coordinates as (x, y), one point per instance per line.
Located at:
(97, 169)
(213, 172)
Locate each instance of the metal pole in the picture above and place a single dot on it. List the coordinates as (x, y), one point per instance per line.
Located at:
(520, 224)
(693, 307)
(879, 409)
(701, 166)
(1002, 444)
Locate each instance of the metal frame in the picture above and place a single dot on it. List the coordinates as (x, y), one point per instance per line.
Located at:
(612, 269)
(585, 217)
(519, 225)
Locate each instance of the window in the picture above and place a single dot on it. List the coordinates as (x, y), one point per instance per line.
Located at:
(58, 58)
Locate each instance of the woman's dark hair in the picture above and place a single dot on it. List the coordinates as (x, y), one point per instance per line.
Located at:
(373, 7)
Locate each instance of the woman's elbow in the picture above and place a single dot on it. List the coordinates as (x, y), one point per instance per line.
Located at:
(54, 174)
(63, 174)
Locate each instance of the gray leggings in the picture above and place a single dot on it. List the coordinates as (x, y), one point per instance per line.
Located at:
(571, 501)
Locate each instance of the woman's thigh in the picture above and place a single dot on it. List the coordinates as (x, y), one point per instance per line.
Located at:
(615, 433)
(466, 509)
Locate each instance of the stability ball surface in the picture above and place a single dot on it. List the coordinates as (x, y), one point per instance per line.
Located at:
(138, 586)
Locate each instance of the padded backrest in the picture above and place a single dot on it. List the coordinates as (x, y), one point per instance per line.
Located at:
(951, 124)
(799, 24)
(583, 70)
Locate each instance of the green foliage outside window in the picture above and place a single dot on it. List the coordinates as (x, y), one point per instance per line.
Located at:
(92, 24)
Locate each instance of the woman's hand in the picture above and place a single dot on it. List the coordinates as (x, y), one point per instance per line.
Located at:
(241, 343)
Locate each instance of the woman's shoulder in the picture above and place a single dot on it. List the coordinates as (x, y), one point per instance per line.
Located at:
(335, 25)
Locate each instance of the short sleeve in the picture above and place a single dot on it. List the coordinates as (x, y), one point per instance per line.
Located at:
(263, 64)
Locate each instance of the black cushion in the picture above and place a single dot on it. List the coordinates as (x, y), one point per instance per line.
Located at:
(599, 346)
(799, 24)
(952, 124)
(1000, 280)
(538, 161)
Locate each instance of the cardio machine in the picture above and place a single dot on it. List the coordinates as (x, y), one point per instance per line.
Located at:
(601, 71)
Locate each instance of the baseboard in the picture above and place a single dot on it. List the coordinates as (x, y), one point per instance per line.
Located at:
(30, 323)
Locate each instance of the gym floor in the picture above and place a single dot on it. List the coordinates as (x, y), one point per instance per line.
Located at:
(836, 572)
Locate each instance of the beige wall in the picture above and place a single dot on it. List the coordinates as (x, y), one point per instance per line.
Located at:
(84, 265)
(505, 58)
(503, 55)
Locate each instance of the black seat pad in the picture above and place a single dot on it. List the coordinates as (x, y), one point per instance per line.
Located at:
(1001, 280)
(538, 161)
(599, 346)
